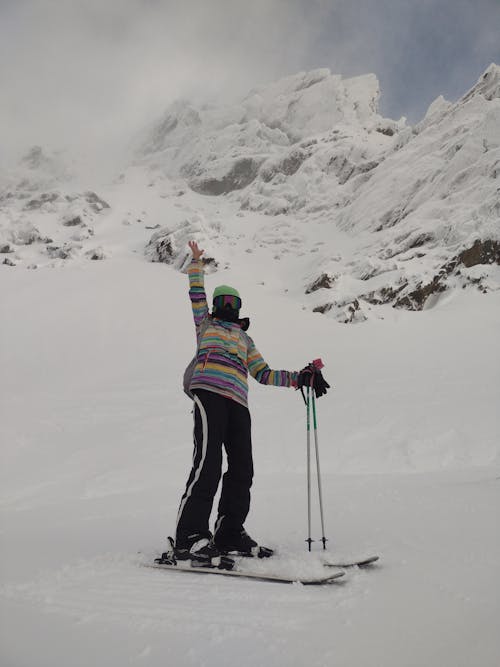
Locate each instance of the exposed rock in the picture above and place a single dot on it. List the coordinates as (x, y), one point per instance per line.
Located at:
(388, 131)
(408, 241)
(344, 169)
(323, 309)
(6, 248)
(163, 249)
(392, 217)
(56, 252)
(44, 198)
(401, 295)
(419, 240)
(353, 312)
(383, 295)
(168, 246)
(288, 166)
(241, 174)
(416, 299)
(96, 254)
(8, 262)
(347, 312)
(341, 167)
(96, 203)
(24, 233)
(324, 281)
(488, 85)
(73, 221)
(482, 252)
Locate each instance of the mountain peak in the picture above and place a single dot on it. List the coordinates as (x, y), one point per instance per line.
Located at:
(488, 85)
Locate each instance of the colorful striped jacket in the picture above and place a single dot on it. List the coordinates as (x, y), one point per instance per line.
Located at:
(226, 353)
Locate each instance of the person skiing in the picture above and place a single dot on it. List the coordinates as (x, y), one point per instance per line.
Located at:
(225, 356)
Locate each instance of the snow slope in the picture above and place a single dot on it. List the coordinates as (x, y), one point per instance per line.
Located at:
(96, 444)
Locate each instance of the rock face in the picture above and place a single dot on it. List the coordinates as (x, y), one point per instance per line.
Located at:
(170, 245)
(240, 174)
(428, 215)
(220, 150)
(482, 252)
(324, 281)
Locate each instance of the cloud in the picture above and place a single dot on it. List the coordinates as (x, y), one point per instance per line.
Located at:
(87, 73)
(75, 72)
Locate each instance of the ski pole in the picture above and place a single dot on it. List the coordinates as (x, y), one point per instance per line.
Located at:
(308, 420)
(320, 494)
(320, 388)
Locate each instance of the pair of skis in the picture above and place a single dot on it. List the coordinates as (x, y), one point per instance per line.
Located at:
(333, 570)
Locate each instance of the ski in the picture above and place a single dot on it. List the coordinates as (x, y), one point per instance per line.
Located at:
(257, 576)
(347, 562)
(265, 552)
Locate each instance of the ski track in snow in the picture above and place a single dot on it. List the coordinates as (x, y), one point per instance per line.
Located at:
(113, 589)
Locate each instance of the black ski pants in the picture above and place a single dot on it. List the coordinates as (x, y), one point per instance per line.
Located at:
(218, 421)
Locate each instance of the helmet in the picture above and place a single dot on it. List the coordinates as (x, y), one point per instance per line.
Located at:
(223, 290)
(226, 297)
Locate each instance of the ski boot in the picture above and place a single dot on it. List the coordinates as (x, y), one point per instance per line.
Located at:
(199, 550)
(240, 543)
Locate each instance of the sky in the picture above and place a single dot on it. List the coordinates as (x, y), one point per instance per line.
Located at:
(91, 73)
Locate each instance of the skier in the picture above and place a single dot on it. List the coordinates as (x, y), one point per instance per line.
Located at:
(225, 356)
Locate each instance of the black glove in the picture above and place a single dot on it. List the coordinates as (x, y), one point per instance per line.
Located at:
(320, 384)
(304, 377)
(312, 376)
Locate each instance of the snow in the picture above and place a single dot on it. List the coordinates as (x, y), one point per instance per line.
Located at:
(96, 437)
(96, 431)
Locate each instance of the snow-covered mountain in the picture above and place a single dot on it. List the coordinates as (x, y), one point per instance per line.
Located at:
(369, 211)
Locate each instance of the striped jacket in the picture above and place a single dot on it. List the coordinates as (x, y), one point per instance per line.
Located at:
(226, 353)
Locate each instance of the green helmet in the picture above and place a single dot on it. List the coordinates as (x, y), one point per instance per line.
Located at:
(226, 297)
(225, 290)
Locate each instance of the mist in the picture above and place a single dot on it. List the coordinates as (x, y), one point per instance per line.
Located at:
(86, 76)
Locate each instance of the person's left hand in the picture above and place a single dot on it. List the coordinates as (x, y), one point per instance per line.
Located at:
(310, 376)
(304, 377)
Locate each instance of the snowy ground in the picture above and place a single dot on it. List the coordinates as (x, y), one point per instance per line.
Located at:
(96, 444)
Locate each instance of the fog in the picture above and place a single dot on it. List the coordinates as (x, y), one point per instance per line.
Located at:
(88, 75)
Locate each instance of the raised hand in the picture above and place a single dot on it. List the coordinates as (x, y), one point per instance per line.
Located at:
(197, 253)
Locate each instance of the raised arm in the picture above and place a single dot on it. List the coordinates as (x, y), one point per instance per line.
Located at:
(197, 285)
(259, 370)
